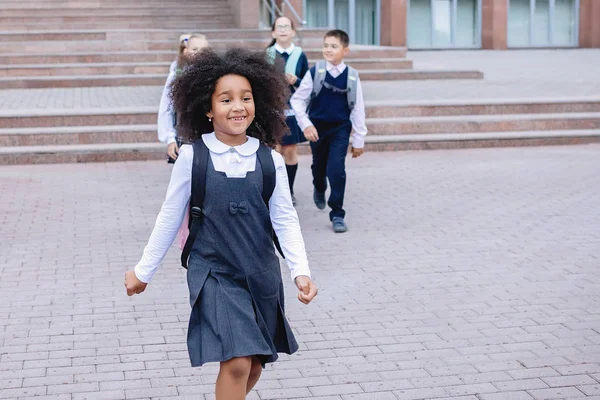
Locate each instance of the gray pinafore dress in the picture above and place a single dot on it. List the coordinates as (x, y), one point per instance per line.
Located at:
(236, 290)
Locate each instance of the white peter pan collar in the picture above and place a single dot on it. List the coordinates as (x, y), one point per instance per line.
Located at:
(218, 147)
(281, 50)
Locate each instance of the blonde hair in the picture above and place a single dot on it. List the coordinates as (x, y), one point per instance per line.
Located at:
(183, 44)
(183, 39)
(198, 36)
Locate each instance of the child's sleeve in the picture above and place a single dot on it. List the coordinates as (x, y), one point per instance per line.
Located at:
(299, 101)
(285, 222)
(358, 119)
(170, 216)
(166, 130)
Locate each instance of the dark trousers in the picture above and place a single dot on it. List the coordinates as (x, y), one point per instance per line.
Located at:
(329, 163)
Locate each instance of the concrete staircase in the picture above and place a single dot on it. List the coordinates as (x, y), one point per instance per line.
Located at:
(89, 43)
(130, 134)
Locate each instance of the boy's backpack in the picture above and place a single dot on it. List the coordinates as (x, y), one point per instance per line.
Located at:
(319, 80)
(292, 62)
(201, 155)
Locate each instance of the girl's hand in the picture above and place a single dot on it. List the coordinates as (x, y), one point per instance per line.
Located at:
(173, 150)
(357, 152)
(133, 284)
(307, 289)
(311, 133)
(291, 79)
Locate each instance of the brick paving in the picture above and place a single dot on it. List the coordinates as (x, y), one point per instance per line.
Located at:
(508, 75)
(466, 274)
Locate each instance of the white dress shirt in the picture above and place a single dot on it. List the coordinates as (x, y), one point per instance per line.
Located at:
(235, 165)
(166, 130)
(301, 97)
(173, 66)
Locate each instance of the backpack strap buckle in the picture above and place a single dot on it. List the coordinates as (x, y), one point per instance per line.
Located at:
(196, 212)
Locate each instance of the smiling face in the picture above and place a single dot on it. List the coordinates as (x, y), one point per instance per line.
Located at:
(232, 109)
(283, 32)
(333, 50)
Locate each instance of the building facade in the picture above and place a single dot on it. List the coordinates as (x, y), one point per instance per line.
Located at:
(448, 24)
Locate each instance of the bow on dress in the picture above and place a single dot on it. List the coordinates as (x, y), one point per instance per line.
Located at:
(242, 207)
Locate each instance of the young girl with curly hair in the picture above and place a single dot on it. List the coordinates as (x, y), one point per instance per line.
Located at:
(231, 106)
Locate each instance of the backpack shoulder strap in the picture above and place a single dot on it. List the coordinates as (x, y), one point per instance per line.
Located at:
(199, 167)
(267, 166)
(292, 62)
(318, 78)
(271, 54)
(352, 86)
(268, 171)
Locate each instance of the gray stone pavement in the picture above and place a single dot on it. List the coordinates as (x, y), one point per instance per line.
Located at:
(467, 274)
(508, 75)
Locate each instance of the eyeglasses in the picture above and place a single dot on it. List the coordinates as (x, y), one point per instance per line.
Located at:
(283, 27)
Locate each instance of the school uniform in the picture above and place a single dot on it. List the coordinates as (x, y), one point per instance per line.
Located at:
(295, 135)
(173, 67)
(167, 119)
(234, 278)
(336, 124)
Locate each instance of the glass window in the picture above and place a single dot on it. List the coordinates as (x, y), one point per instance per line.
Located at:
(564, 23)
(316, 13)
(541, 23)
(553, 23)
(419, 24)
(519, 23)
(365, 23)
(341, 16)
(466, 23)
(442, 23)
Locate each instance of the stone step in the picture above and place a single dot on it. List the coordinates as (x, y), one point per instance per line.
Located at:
(45, 57)
(410, 74)
(108, 20)
(116, 46)
(85, 69)
(376, 63)
(143, 35)
(49, 5)
(88, 57)
(483, 123)
(129, 68)
(387, 109)
(310, 46)
(125, 133)
(71, 135)
(375, 111)
(60, 118)
(75, 14)
(156, 23)
(138, 11)
(156, 151)
(70, 81)
(82, 153)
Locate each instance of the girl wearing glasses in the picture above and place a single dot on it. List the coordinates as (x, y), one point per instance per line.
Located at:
(296, 66)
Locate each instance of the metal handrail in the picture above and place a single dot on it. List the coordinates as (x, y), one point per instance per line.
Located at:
(285, 3)
(277, 12)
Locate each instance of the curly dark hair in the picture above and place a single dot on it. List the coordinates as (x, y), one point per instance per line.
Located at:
(192, 92)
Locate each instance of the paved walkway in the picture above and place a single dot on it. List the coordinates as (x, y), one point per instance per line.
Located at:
(469, 274)
(508, 74)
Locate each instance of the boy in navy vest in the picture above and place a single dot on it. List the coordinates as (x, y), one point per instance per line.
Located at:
(329, 108)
